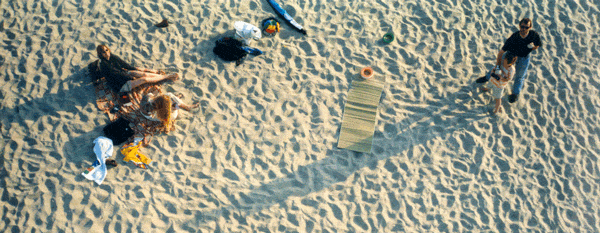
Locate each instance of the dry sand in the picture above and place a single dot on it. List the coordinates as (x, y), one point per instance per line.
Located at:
(261, 155)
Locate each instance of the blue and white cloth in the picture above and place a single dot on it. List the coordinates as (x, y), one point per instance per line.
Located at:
(103, 150)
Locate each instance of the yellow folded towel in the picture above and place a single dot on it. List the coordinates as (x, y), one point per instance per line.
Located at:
(131, 153)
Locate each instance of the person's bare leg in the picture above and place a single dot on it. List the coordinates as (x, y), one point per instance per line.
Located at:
(140, 74)
(149, 78)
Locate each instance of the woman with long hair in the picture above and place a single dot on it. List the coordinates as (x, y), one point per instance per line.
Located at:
(164, 108)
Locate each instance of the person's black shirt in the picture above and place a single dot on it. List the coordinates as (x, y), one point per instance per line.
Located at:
(518, 45)
(115, 72)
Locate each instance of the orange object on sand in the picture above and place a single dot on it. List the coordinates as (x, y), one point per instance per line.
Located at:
(131, 153)
(366, 72)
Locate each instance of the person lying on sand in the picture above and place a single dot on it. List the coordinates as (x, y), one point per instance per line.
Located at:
(163, 107)
(122, 76)
(501, 75)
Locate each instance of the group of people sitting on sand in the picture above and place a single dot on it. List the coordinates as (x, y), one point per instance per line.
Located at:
(133, 96)
(154, 110)
(122, 77)
(129, 95)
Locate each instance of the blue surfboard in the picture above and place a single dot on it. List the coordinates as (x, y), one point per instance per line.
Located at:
(281, 12)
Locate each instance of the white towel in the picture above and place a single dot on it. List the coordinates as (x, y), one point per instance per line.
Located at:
(103, 150)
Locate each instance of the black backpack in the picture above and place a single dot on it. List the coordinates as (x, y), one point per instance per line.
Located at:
(229, 49)
(118, 131)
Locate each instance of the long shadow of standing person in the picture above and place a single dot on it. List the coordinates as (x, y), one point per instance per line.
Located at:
(435, 121)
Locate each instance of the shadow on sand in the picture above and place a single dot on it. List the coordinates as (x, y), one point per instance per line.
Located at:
(59, 121)
(440, 120)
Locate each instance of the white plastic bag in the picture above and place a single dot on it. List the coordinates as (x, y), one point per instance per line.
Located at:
(246, 32)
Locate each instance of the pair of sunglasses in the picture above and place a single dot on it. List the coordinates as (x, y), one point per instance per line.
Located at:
(524, 27)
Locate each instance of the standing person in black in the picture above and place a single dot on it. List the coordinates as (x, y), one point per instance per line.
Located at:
(121, 76)
(520, 43)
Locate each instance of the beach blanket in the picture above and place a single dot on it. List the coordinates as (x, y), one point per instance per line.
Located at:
(360, 114)
(108, 102)
(103, 150)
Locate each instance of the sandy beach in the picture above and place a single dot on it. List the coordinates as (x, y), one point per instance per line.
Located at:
(261, 155)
